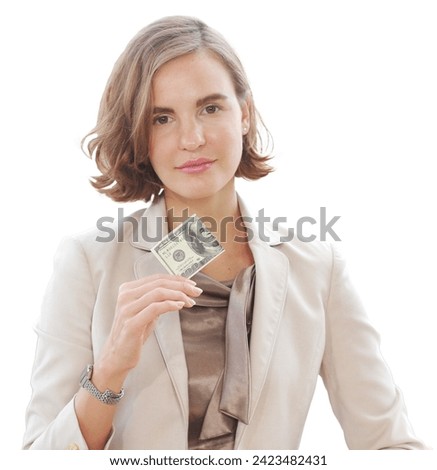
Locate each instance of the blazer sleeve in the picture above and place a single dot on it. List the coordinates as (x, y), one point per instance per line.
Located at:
(363, 395)
(64, 347)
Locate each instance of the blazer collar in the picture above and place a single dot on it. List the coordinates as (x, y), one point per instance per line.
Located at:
(271, 281)
(151, 227)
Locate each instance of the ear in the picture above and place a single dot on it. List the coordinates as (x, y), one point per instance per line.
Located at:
(245, 116)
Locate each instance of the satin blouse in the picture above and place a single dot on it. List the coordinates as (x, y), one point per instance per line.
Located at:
(216, 334)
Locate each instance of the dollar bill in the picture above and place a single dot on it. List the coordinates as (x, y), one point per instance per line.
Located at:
(188, 248)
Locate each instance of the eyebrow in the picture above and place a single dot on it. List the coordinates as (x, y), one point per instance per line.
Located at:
(200, 102)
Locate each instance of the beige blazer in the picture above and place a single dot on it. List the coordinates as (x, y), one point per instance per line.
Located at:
(307, 321)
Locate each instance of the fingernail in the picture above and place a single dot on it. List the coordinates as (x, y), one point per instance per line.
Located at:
(197, 290)
(191, 301)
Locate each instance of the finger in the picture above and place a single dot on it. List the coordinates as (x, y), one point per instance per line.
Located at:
(136, 290)
(156, 277)
(127, 295)
(151, 313)
(130, 306)
(161, 294)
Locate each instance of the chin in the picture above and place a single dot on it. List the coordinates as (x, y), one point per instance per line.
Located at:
(201, 188)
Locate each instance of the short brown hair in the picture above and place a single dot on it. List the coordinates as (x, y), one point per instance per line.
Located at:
(120, 139)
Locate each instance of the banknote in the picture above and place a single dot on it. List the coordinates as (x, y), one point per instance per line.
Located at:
(188, 248)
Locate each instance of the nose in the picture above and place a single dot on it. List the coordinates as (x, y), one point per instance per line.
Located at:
(191, 135)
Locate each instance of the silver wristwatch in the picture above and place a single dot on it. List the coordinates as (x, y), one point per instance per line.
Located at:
(108, 397)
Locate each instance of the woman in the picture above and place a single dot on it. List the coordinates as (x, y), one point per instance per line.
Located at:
(227, 359)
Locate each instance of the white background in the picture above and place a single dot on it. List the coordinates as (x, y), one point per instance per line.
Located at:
(348, 90)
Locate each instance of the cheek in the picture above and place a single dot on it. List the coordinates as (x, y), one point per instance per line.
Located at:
(157, 147)
(236, 146)
(151, 149)
(226, 136)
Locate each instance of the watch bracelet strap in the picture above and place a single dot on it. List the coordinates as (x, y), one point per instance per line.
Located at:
(108, 397)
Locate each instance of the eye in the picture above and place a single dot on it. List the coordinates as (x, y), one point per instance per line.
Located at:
(161, 120)
(211, 109)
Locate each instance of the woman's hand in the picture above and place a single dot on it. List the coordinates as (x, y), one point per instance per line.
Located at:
(138, 307)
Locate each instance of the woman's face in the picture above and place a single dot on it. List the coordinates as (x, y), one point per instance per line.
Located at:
(198, 125)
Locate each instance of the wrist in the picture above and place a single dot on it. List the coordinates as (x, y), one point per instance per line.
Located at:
(105, 376)
(105, 394)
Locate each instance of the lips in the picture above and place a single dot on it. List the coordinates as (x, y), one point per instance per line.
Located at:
(197, 165)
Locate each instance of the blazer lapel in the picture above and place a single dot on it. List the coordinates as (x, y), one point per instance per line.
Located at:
(151, 228)
(270, 293)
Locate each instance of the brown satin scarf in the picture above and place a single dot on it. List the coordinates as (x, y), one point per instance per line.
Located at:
(215, 335)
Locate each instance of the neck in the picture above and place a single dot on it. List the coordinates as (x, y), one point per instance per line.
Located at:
(218, 212)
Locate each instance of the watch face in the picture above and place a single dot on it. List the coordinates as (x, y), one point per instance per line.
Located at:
(86, 374)
(89, 369)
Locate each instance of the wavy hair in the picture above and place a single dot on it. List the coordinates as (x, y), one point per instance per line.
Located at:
(119, 142)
